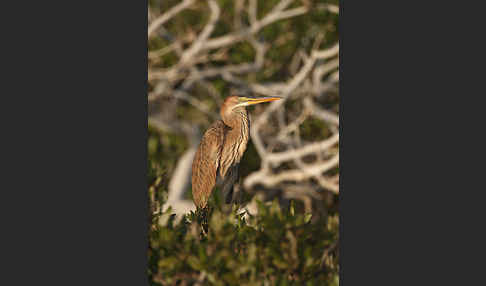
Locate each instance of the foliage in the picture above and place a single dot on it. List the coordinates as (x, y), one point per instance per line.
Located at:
(275, 247)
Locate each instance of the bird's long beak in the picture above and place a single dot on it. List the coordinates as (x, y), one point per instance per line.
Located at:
(251, 101)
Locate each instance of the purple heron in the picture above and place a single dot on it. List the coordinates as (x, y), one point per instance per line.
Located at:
(221, 148)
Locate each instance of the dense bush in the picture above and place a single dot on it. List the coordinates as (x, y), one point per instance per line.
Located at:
(275, 247)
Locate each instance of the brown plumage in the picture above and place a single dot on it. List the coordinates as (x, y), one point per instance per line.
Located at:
(221, 148)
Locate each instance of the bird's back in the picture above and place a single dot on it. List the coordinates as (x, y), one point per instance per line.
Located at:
(206, 163)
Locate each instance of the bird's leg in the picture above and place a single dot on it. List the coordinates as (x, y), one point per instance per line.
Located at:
(202, 215)
(228, 198)
(237, 193)
(228, 183)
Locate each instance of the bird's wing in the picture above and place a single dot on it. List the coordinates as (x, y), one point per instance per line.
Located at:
(206, 163)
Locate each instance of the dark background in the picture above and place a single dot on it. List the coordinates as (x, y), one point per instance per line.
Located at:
(74, 143)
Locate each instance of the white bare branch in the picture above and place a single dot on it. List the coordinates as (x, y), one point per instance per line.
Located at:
(297, 175)
(159, 21)
(206, 32)
(279, 157)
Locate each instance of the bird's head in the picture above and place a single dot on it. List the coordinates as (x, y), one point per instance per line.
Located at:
(236, 101)
(233, 102)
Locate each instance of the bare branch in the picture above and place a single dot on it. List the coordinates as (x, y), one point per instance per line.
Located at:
(293, 175)
(206, 32)
(321, 113)
(168, 15)
(277, 158)
(275, 15)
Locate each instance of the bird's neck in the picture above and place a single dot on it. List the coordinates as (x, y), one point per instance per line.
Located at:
(239, 123)
(238, 134)
(236, 118)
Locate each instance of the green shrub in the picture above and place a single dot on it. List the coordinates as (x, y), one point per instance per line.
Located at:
(275, 247)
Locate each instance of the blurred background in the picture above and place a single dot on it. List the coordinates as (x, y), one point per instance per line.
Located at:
(286, 224)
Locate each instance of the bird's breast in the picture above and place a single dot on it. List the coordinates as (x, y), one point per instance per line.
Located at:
(235, 143)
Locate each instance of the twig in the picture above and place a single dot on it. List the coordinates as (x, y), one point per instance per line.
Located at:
(168, 15)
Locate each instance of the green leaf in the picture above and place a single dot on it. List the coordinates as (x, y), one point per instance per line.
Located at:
(280, 263)
(194, 262)
(307, 217)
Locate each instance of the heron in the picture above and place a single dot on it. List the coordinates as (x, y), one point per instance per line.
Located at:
(221, 148)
